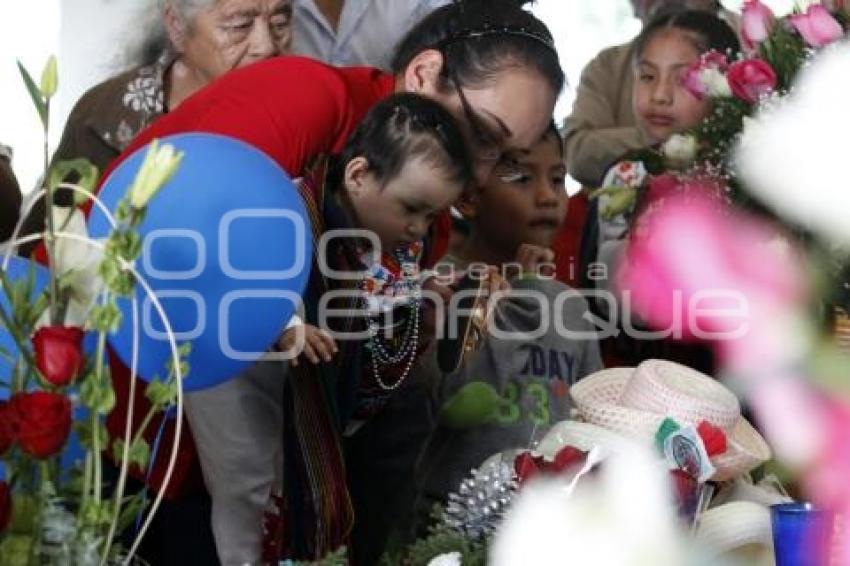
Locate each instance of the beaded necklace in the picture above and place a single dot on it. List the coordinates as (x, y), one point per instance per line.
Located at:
(383, 291)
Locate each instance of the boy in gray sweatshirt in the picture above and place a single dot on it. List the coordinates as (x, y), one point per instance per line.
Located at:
(516, 384)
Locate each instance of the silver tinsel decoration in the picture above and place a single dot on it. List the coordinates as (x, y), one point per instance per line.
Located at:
(477, 507)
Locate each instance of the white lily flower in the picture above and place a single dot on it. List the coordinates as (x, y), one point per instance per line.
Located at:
(792, 155)
(158, 167)
(77, 262)
(623, 517)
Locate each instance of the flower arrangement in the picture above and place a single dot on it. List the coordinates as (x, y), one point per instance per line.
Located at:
(55, 505)
(715, 189)
(776, 50)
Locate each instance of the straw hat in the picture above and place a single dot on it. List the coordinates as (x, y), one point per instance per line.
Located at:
(735, 527)
(635, 401)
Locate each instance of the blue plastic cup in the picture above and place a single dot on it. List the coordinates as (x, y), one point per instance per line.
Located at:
(802, 534)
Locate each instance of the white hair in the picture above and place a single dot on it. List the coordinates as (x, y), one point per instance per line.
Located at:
(151, 39)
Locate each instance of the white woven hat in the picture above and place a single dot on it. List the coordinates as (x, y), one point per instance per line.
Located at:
(737, 525)
(635, 401)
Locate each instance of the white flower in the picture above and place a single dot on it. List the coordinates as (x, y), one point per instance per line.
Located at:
(76, 262)
(680, 149)
(622, 517)
(792, 156)
(159, 166)
(449, 559)
(716, 84)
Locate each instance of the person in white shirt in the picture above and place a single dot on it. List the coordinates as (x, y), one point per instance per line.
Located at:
(355, 32)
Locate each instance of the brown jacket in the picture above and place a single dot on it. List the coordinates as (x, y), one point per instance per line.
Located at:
(10, 195)
(602, 125)
(104, 121)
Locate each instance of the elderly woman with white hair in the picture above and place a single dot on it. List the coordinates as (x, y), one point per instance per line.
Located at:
(189, 45)
(195, 42)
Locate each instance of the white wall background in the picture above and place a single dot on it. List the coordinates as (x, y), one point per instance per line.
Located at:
(90, 38)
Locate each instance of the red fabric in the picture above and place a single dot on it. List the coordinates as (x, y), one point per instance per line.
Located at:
(441, 232)
(292, 108)
(568, 241)
(258, 105)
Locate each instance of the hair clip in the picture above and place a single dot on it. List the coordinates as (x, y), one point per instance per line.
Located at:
(488, 30)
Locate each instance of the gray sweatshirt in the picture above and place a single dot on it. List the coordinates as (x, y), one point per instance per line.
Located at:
(531, 375)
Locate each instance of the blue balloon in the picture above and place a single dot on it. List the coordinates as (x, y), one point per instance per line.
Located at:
(19, 269)
(227, 251)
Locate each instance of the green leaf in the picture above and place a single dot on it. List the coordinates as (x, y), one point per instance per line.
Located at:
(49, 78)
(130, 510)
(35, 94)
(97, 395)
(139, 453)
(105, 318)
(25, 512)
(161, 394)
(15, 550)
(84, 433)
(96, 514)
(86, 172)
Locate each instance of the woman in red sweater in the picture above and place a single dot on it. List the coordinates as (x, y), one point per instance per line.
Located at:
(491, 64)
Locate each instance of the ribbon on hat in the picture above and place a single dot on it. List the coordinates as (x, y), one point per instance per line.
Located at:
(527, 466)
(689, 448)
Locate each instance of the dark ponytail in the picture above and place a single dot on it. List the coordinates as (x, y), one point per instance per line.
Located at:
(479, 38)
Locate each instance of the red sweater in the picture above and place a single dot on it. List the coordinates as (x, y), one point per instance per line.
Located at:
(292, 108)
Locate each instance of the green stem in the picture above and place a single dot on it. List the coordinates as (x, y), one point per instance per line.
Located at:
(145, 422)
(44, 479)
(8, 322)
(87, 481)
(95, 420)
(51, 229)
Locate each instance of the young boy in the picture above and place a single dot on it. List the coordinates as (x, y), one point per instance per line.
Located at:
(513, 220)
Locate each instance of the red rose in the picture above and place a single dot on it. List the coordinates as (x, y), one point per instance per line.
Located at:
(59, 353)
(749, 79)
(5, 506)
(7, 428)
(43, 422)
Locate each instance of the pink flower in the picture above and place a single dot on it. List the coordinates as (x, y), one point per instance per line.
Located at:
(700, 74)
(817, 26)
(692, 80)
(750, 79)
(757, 21)
(703, 271)
(715, 59)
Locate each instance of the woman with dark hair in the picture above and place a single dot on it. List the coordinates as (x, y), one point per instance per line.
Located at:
(490, 63)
